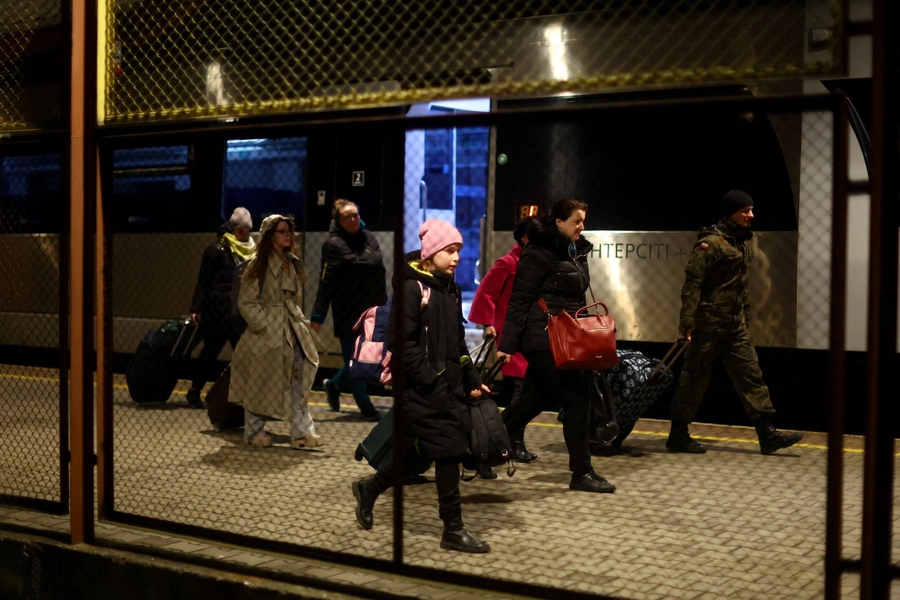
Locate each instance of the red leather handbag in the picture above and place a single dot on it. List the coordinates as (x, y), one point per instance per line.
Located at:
(582, 341)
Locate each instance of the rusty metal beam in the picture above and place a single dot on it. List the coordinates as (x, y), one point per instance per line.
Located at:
(82, 183)
(878, 485)
(837, 376)
(104, 330)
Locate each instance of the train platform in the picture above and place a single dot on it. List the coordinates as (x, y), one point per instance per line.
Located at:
(728, 524)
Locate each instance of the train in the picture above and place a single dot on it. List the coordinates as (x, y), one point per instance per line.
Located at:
(651, 178)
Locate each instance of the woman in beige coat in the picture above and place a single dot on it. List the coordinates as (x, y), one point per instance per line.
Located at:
(275, 361)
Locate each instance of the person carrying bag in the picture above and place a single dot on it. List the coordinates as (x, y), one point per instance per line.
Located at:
(554, 269)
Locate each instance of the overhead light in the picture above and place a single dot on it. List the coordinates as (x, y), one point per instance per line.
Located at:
(554, 38)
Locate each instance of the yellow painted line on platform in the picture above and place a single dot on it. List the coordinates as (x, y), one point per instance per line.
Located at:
(709, 438)
(706, 438)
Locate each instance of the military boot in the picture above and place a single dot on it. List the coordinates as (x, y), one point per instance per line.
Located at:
(457, 537)
(770, 439)
(680, 440)
(365, 501)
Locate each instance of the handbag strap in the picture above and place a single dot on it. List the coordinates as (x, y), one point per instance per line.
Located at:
(590, 306)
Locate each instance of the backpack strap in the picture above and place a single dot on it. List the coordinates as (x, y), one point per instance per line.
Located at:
(426, 294)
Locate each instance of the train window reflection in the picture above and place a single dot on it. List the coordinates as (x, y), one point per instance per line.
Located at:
(265, 176)
(152, 189)
(31, 194)
(150, 157)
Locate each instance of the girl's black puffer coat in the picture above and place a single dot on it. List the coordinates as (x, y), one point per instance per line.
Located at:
(439, 373)
(551, 268)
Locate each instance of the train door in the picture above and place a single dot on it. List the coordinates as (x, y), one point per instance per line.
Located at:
(446, 177)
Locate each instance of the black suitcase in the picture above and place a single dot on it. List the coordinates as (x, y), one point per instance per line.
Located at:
(222, 413)
(378, 449)
(153, 372)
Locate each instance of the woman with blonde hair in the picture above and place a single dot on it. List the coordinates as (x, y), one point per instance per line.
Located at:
(275, 362)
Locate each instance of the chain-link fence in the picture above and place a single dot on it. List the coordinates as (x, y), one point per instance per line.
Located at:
(191, 59)
(651, 179)
(31, 410)
(31, 64)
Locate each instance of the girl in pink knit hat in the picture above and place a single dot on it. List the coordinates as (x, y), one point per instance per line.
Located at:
(440, 377)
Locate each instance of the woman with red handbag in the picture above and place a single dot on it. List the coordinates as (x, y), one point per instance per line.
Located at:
(553, 268)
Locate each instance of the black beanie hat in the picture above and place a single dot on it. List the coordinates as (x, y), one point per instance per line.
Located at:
(734, 201)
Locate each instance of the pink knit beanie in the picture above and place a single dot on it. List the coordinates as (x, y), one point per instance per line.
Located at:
(437, 235)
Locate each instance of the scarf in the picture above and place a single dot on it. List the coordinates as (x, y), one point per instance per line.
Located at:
(240, 250)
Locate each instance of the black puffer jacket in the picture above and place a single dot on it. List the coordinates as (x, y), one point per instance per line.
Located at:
(553, 269)
(438, 369)
(212, 294)
(352, 278)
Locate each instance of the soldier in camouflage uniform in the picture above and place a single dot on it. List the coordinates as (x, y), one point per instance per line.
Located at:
(715, 312)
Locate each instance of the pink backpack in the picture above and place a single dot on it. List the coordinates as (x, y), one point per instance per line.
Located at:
(371, 359)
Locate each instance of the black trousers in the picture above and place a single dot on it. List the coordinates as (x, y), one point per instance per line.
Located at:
(518, 385)
(543, 382)
(446, 474)
(215, 332)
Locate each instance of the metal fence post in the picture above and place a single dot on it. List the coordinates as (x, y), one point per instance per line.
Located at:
(834, 502)
(83, 176)
(878, 487)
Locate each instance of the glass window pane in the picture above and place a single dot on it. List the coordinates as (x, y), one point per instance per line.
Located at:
(31, 194)
(266, 176)
(152, 189)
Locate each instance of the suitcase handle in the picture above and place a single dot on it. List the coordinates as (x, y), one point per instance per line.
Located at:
(662, 363)
(178, 341)
(484, 350)
(492, 373)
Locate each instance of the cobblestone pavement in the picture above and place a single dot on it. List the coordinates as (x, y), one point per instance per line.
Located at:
(728, 524)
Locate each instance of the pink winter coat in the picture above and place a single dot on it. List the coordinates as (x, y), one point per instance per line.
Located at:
(492, 299)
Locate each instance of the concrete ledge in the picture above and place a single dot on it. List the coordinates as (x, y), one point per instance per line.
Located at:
(35, 568)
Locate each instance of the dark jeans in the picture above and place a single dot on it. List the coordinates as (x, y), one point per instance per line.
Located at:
(346, 383)
(446, 475)
(542, 382)
(215, 332)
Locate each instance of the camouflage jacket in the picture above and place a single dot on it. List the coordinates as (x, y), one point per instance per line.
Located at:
(716, 292)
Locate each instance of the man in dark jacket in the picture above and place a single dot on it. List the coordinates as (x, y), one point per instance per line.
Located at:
(352, 280)
(211, 306)
(715, 312)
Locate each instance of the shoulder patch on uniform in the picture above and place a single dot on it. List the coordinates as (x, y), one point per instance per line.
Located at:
(704, 245)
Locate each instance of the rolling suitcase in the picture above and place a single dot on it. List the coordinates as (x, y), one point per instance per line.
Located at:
(635, 383)
(378, 449)
(222, 413)
(153, 372)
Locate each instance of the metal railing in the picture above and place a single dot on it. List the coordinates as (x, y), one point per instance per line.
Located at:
(187, 59)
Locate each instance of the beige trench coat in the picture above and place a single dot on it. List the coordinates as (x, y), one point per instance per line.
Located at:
(263, 359)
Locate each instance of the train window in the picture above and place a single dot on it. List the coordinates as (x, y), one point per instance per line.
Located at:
(31, 197)
(471, 197)
(266, 176)
(661, 171)
(152, 189)
(439, 168)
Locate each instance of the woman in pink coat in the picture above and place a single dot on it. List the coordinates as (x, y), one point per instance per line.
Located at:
(489, 309)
